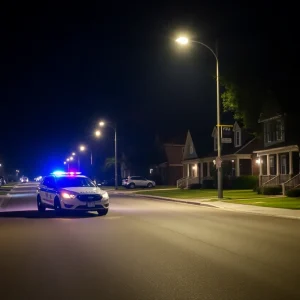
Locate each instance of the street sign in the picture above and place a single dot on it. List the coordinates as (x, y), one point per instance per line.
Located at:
(226, 140)
(218, 162)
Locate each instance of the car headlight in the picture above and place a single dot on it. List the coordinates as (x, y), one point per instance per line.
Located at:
(105, 196)
(68, 196)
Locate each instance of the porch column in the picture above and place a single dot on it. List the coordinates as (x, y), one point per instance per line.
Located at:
(201, 172)
(187, 175)
(291, 171)
(277, 164)
(237, 167)
(268, 164)
(260, 166)
(208, 169)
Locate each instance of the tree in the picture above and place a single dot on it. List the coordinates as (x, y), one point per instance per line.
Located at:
(123, 162)
(247, 100)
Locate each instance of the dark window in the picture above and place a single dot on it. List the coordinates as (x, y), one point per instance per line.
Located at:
(64, 182)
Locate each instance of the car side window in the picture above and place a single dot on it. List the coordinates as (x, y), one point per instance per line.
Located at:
(51, 183)
(45, 181)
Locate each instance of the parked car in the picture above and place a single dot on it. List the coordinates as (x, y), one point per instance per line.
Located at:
(24, 179)
(137, 181)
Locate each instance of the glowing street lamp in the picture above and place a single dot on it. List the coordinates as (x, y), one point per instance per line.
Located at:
(103, 124)
(71, 158)
(82, 148)
(97, 133)
(73, 153)
(183, 41)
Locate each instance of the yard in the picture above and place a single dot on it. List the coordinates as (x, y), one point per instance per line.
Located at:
(201, 194)
(232, 196)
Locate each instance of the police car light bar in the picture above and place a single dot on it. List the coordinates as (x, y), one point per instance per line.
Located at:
(65, 173)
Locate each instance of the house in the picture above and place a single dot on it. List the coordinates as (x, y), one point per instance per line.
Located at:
(278, 154)
(170, 167)
(236, 152)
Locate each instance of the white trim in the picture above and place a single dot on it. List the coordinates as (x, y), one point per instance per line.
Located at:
(212, 158)
(245, 146)
(239, 143)
(293, 148)
(174, 145)
(236, 126)
(215, 143)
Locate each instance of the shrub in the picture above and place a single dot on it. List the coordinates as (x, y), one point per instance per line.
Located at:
(293, 193)
(270, 190)
(245, 182)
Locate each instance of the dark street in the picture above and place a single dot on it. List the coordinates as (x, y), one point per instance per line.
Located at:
(146, 249)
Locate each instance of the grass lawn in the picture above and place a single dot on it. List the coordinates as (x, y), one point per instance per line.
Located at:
(198, 194)
(278, 202)
(3, 192)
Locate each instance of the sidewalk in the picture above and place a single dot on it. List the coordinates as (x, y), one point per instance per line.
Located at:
(267, 211)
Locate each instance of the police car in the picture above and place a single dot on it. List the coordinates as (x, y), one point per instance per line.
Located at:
(71, 191)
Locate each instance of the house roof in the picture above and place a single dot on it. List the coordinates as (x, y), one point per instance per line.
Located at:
(201, 143)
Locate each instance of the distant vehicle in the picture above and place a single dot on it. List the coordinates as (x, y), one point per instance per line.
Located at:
(24, 179)
(71, 191)
(137, 181)
(39, 178)
(2, 181)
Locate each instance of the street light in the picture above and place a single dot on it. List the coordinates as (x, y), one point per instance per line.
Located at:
(184, 40)
(82, 149)
(114, 127)
(97, 133)
(71, 158)
(73, 153)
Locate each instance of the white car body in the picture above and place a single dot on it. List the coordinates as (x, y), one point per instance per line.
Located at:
(137, 181)
(85, 198)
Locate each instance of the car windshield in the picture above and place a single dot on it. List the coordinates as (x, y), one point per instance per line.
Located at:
(63, 182)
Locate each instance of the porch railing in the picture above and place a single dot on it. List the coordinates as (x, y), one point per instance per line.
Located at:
(265, 178)
(277, 180)
(186, 182)
(181, 183)
(291, 183)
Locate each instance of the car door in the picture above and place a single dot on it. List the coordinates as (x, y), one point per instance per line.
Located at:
(43, 189)
(51, 190)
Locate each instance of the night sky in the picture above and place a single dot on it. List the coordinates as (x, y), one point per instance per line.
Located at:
(65, 67)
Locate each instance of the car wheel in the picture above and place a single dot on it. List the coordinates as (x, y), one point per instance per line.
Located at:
(131, 185)
(102, 212)
(149, 185)
(57, 205)
(40, 205)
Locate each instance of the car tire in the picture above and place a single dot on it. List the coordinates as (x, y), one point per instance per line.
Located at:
(102, 212)
(57, 206)
(149, 185)
(132, 185)
(41, 207)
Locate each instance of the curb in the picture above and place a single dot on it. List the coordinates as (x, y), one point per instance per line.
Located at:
(166, 199)
(198, 203)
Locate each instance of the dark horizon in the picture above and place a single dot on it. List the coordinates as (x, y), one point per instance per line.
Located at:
(63, 70)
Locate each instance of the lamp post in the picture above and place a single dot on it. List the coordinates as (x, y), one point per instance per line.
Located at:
(184, 41)
(114, 127)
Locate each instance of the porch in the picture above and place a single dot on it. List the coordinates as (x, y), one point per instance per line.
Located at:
(277, 165)
(197, 170)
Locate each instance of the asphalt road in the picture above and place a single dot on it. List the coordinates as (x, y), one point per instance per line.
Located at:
(146, 249)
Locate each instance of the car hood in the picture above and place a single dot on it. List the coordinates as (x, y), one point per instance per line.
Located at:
(84, 190)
